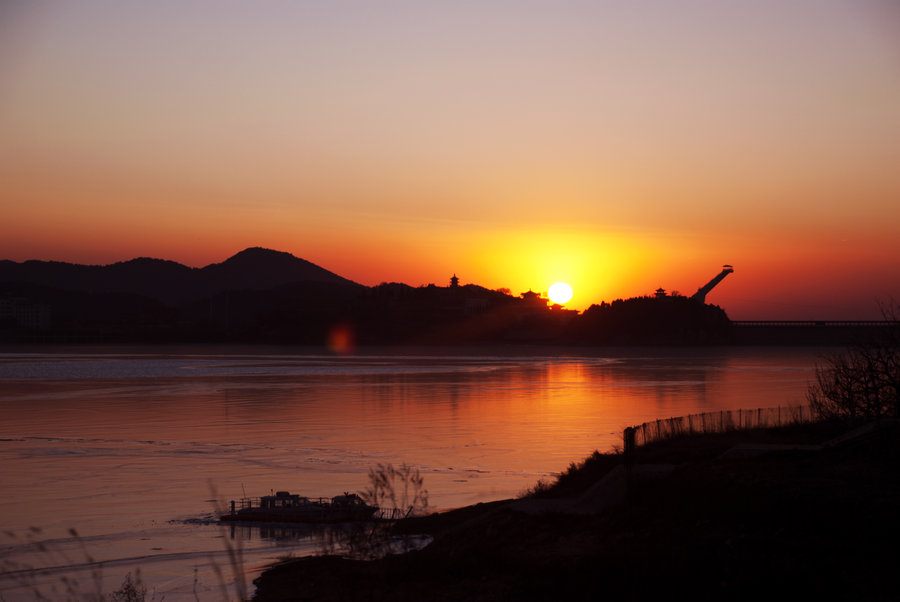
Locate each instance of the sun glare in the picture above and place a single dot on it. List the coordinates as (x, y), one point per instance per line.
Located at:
(560, 293)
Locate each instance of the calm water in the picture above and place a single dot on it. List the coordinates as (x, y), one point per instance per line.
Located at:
(135, 450)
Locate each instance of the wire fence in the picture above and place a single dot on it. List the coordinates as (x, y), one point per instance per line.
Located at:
(716, 422)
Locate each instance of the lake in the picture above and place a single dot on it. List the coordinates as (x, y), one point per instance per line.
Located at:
(135, 449)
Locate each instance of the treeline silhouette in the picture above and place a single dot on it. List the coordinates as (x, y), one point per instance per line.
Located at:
(657, 320)
(264, 296)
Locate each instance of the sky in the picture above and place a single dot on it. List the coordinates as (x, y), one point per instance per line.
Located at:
(617, 146)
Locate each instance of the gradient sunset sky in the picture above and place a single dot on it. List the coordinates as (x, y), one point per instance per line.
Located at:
(618, 146)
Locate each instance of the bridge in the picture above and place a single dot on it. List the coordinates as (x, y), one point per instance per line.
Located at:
(809, 332)
(878, 323)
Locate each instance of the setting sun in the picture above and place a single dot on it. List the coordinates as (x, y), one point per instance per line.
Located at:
(560, 293)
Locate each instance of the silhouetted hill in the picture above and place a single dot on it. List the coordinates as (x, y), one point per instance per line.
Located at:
(170, 282)
(143, 276)
(260, 295)
(166, 281)
(29, 309)
(396, 312)
(299, 312)
(257, 295)
(258, 269)
(654, 320)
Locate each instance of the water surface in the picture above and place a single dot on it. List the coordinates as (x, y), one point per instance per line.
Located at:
(135, 450)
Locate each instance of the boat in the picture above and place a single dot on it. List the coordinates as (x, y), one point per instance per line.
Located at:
(286, 507)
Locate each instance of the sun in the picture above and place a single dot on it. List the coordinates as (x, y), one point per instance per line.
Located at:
(560, 293)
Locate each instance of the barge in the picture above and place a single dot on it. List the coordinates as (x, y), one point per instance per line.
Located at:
(285, 507)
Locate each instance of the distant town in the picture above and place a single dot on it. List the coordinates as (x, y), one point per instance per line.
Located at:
(265, 296)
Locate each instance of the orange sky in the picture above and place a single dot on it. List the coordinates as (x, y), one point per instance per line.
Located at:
(619, 148)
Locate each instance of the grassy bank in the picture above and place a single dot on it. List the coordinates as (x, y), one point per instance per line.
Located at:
(712, 526)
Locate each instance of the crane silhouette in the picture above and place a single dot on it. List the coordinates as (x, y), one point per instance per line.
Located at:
(701, 293)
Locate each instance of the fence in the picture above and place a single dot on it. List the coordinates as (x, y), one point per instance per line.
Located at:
(393, 513)
(715, 422)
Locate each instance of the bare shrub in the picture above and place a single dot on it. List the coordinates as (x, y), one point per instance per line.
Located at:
(863, 382)
(542, 487)
(398, 492)
(132, 590)
(235, 553)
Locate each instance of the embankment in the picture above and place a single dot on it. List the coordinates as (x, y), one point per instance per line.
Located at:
(787, 515)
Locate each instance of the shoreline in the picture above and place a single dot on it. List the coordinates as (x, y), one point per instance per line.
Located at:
(463, 351)
(810, 523)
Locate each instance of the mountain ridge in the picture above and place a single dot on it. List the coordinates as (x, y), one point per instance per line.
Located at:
(170, 282)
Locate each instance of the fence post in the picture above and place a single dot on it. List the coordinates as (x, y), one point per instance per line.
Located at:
(629, 446)
(629, 462)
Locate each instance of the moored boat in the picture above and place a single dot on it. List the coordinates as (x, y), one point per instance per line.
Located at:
(286, 507)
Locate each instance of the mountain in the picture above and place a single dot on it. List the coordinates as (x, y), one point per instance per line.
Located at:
(170, 282)
(257, 268)
(261, 295)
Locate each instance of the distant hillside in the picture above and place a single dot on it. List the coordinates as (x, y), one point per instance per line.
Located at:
(260, 295)
(172, 283)
(257, 268)
(654, 320)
